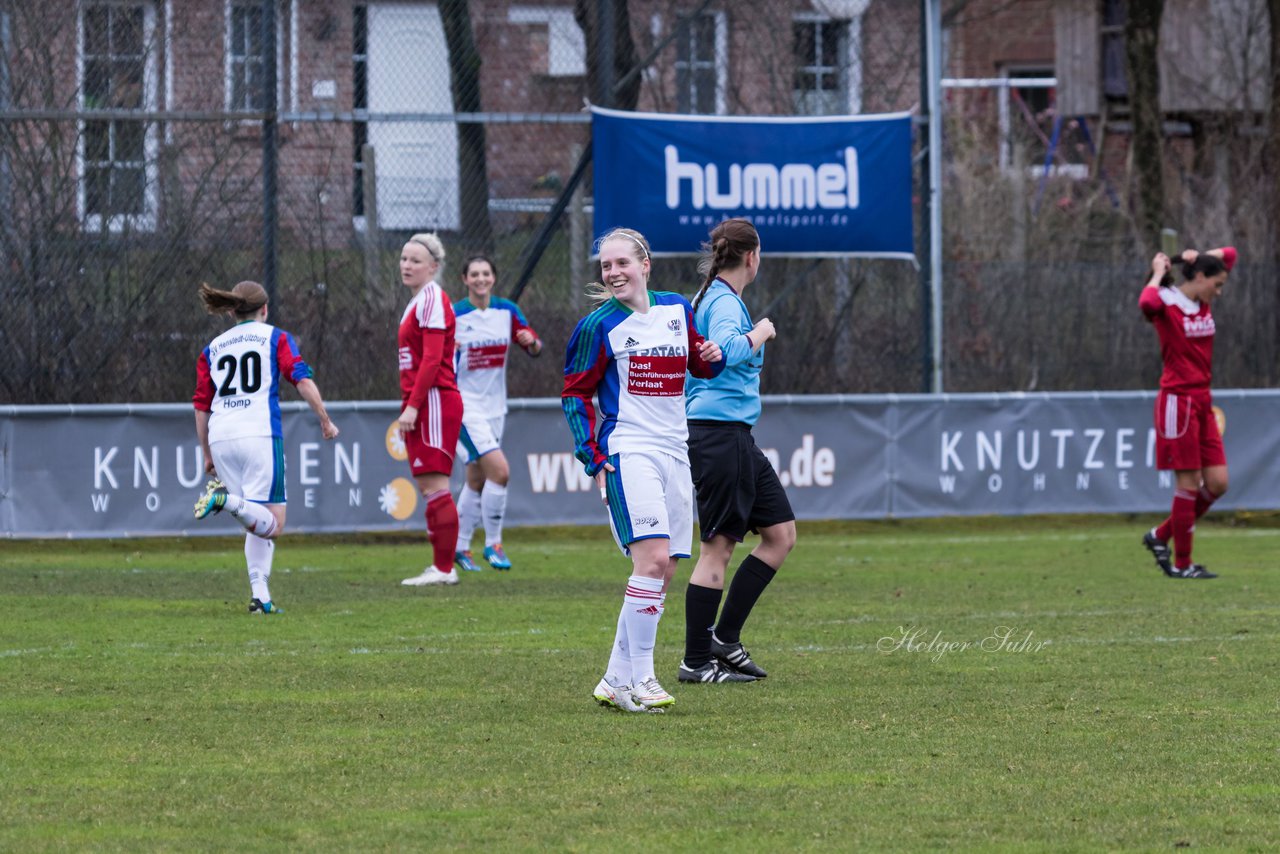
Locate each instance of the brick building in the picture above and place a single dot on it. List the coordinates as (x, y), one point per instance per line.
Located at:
(345, 68)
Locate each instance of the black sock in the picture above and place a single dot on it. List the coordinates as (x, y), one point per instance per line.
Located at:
(752, 577)
(700, 606)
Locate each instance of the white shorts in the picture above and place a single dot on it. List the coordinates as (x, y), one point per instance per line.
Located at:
(651, 495)
(252, 467)
(479, 436)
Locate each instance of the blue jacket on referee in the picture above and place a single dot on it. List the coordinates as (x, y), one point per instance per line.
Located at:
(734, 395)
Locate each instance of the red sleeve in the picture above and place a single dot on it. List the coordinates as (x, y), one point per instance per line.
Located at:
(432, 351)
(517, 323)
(203, 398)
(1150, 302)
(698, 366)
(289, 359)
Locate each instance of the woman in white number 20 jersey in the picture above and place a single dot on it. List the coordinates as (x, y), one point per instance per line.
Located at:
(237, 403)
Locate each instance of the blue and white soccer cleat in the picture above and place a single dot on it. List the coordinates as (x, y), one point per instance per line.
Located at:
(497, 557)
(465, 561)
(213, 500)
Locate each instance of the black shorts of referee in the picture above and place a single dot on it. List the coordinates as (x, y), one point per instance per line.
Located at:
(738, 491)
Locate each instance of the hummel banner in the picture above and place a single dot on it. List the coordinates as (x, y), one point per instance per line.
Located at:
(811, 185)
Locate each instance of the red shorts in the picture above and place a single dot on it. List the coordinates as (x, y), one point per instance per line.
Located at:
(1187, 434)
(430, 446)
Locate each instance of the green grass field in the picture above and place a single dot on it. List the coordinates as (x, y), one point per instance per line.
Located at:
(143, 709)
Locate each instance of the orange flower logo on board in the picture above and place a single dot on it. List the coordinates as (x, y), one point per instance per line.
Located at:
(395, 442)
(398, 499)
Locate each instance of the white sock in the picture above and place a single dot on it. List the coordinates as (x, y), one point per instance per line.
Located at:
(493, 506)
(641, 608)
(619, 671)
(255, 518)
(258, 554)
(468, 516)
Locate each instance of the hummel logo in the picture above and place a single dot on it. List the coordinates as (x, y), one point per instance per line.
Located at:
(651, 610)
(630, 342)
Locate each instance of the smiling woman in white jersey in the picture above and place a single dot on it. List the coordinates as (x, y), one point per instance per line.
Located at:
(237, 403)
(632, 354)
(487, 326)
(1188, 441)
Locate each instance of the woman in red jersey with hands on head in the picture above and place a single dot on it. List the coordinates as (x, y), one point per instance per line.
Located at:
(431, 407)
(1188, 441)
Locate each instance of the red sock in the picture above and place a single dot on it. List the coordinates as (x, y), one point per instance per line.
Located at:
(1204, 500)
(1165, 530)
(442, 529)
(1183, 518)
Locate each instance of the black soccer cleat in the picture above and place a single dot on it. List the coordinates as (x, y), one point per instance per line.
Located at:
(257, 606)
(712, 671)
(1160, 551)
(735, 657)
(1194, 571)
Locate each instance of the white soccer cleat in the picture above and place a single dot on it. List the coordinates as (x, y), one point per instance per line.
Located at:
(429, 576)
(652, 695)
(616, 697)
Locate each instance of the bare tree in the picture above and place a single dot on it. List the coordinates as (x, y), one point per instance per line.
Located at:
(1272, 159)
(1142, 39)
(464, 79)
(112, 218)
(625, 58)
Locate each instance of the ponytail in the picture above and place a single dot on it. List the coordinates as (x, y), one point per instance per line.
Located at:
(727, 249)
(243, 300)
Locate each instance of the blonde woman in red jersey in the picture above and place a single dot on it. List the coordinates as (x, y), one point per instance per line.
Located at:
(431, 407)
(1188, 441)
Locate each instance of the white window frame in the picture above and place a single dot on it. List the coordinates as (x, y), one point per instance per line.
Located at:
(145, 221)
(851, 77)
(720, 59)
(566, 45)
(1007, 119)
(281, 36)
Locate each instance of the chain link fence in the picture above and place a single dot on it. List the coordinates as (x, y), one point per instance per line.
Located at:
(133, 167)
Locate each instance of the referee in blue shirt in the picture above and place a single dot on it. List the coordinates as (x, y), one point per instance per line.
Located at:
(737, 489)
